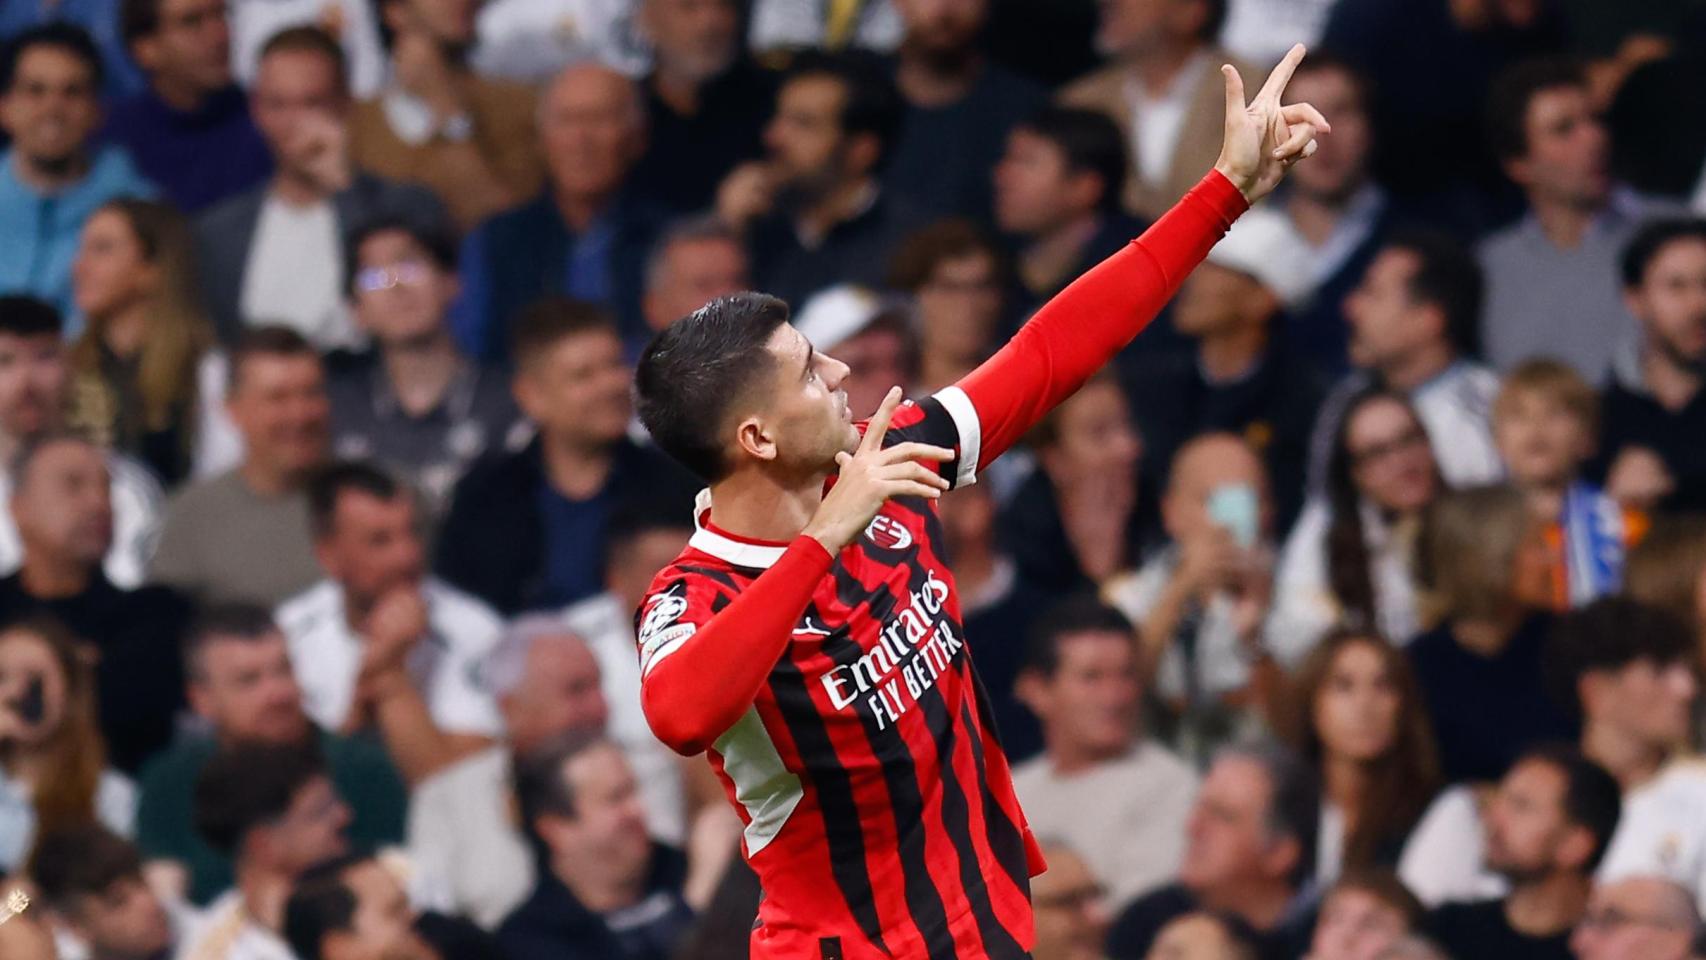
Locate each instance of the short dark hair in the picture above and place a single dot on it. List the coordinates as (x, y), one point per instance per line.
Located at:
(541, 789)
(248, 785)
(328, 485)
(1090, 142)
(1082, 613)
(269, 340)
(31, 448)
(540, 325)
(309, 39)
(1447, 277)
(924, 250)
(138, 19)
(1294, 804)
(872, 104)
(320, 903)
(58, 34)
(81, 861)
(696, 371)
(439, 247)
(25, 316)
(1609, 634)
(1651, 240)
(1592, 798)
(1514, 90)
(224, 621)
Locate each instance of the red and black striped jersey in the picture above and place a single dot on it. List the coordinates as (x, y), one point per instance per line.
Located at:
(835, 696)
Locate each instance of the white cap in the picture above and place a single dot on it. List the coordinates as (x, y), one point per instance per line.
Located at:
(1264, 245)
(834, 315)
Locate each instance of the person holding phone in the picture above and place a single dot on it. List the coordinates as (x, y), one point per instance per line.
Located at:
(53, 770)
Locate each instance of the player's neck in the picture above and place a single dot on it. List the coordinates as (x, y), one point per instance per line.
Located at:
(753, 504)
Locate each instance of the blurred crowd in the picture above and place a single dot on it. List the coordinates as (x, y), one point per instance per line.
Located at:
(1358, 611)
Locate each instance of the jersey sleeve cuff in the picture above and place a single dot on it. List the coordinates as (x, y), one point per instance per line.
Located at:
(1222, 197)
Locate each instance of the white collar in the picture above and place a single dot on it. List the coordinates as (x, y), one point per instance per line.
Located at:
(727, 549)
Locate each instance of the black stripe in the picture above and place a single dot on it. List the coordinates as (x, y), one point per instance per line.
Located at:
(717, 574)
(937, 428)
(1005, 838)
(834, 791)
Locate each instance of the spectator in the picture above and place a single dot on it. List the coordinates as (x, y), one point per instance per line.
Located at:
(33, 387)
(379, 643)
(997, 606)
(1654, 407)
(272, 254)
(1642, 917)
(606, 891)
(1360, 721)
(956, 277)
(91, 883)
(1547, 828)
(1243, 374)
(815, 210)
(1249, 851)
(1363, 915)
(957, 104)
(61, 505)
(546, 683)
(469, 139)
(780, 25)
(136, 368)
(1106, 791)
(51, 175)
(1412, 320)
(694, 262)
(352, 908)
(1075, 522)
(414, 402)
(54, 773)
(1200, 601)
(189, 131)
(1162, 88)
(242, 690)
(707, 102)
(1484, 563)
(1667, 570)
(1546, 421)
(353, 24)
(243, 535)
(1057, 192)
(1551, 278)
(273, 811)
(637, 547)
(873, 337)
(1208, 936)
(586, 236)
(99, 18)
(1350, 560)
(1067, 901)
(526, 530)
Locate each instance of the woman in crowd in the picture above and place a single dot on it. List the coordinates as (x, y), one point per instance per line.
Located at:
(1487, 570)
(52, 762)
(135, 368)
(1359, 719)
(1350, 561)
(956, 277)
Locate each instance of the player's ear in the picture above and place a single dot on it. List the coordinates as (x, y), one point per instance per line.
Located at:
(755, 439)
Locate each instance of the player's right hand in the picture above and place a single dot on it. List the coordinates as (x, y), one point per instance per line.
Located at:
(872, 475)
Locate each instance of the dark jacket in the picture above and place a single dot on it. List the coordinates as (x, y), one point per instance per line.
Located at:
(493, 540)
(552, 925)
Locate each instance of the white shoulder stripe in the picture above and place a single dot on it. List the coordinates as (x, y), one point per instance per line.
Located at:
(959, 407)
(764, 786)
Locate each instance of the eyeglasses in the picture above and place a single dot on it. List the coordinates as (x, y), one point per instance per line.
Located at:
(1403, 443)
(408, 273)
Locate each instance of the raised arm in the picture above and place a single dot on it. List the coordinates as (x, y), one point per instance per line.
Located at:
(1081, 329)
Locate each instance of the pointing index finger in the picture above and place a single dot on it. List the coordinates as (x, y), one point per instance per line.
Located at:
(1282, 74)
(879, 425)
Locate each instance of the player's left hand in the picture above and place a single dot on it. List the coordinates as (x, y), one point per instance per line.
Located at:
(1263, 139)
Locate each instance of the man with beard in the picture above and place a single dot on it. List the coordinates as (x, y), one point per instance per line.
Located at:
(958, 104)
(815, 211)
(1547, 827)
(1654, 409)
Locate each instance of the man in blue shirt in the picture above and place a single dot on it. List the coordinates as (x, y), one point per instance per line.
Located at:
(51, 179)
(99, 17)
(189, 131)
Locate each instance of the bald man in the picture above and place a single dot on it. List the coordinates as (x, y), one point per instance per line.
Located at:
(1202, 936)
(1637, 918)
(1200, 602)
(1071, 921)
(586, 235)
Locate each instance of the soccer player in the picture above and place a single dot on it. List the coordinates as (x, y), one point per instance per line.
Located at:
(809, 637)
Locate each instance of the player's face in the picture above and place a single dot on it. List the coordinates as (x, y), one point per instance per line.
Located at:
(589, 127)
(1092, 699)
(372, 547)
(809, 418)
(610, 820)
(1356, 709)
(1034, 188)
(1671, 302)
(1635, 919)
(1569, 154)
(1382, 317)
(805, 141)
(1227, 839)
(1356, 925)
(1542, 442)
(247, 690)
(959, 306)
(382, 927)
(1525, 821)
(559, 693)
(401, 293)
(697, 39)
(63, 503)
(694, 273)
(1070, 919)
(1340, 167)
(942, 26)
(51, 109)
(280, 407)
(577, 390)
(1392, 462)
(32, 384)
(1651, 701)
(111, 272)
(1214, 299)
(192, 45)
(124, 920)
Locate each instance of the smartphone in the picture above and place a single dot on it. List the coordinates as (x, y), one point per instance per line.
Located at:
(1235, 507)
